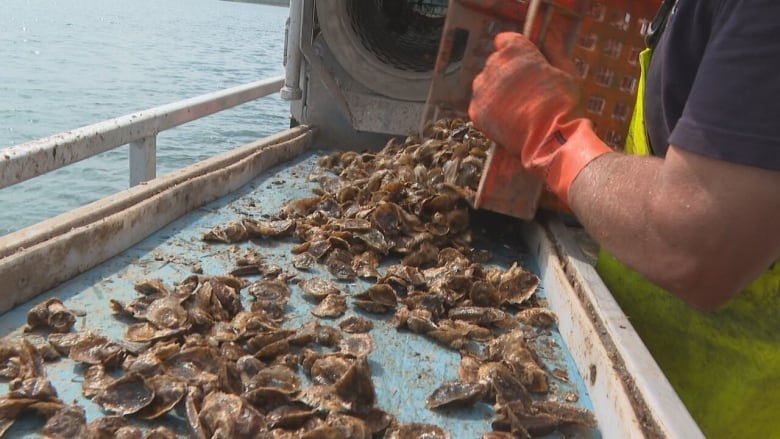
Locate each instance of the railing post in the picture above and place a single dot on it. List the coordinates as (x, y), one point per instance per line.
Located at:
(31, 159)
(292, 89)
(143, 160)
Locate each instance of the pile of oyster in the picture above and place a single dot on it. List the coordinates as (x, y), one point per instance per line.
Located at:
(220, 352)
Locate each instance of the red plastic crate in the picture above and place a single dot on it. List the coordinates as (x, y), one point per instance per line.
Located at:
(606, 54)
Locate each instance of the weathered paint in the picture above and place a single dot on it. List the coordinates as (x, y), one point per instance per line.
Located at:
(406, 367)
(42, 256)
(22, 162)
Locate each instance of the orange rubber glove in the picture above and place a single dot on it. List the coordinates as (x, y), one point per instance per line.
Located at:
(528, 107)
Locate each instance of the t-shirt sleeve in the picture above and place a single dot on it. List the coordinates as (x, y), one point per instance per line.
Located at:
(733, 109)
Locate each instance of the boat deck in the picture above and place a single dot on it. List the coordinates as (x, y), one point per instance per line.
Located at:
(406, 367)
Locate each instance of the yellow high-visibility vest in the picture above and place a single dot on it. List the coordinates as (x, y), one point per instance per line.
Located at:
(725, 364)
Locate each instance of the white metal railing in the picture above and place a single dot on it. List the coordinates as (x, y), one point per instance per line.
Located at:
(28, 160)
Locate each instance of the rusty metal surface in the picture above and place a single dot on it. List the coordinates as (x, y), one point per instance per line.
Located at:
(406, 367)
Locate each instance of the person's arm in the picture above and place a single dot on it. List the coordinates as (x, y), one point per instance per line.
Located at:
(699, 227)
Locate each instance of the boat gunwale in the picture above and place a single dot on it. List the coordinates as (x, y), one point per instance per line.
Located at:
(40, 257)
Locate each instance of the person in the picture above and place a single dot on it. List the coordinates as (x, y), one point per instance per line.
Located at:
(690, 232)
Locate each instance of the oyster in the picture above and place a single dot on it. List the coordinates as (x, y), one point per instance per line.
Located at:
(366, 264)
(63, 342)
(378, 298)
(357, 345)
(105, 427)
(145, 332)
(317, 288)
(482, 316)
(374, 239)
(304, 261)
(126, 395)
(456, 393)
(517, 285)
(329, 369)
(276, 228)
(195, 365)
(416, 430)
(68, 422)
(356, 387)
(96, 349)
(277, 377)
(339, 263)
(51, 314)
(356, 325)
(152, 287)
(38, 388)
(348, 426)
(233, 232)
(332, 306)
(161, 433)
(95, 380)
(539, 317)
(270, 291)
(166, 312)
(229, 416)
(289, 416)
(167, 393)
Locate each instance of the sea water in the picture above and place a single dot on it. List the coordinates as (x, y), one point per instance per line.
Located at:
(69, 63)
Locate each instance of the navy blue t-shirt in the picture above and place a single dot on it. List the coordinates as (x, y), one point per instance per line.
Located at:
(713, 86)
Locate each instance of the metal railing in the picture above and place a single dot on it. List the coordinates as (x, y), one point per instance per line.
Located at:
(28, 160)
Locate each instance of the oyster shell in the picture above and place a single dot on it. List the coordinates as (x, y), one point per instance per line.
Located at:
(167, 312)
(332, 306)
(289, 416)
(318, 288)
(96, 349)
(160, 432)
(276, 228)
(95, 380)
(126, 395)
(339, 263)
(366, 264)
(38, 388)
(167, 393)
(278, 377)
(518, 285)
(378, 298)
(152, 287)
(236, 368)
(195, 365)
(68, 422)
(270, 291)
(145, 332)
(539, 317)
(233, 232)
(356, 325)
(304, 261)
(105, 427)
(329, 369)
(456, 393)
(51, 314)
(228, 416)
(357, 345)
(356, 387)
(416, 430)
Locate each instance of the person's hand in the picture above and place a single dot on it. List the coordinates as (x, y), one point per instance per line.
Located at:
(528, 107)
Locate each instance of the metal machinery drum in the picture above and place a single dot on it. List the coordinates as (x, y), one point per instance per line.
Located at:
(367, 66)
